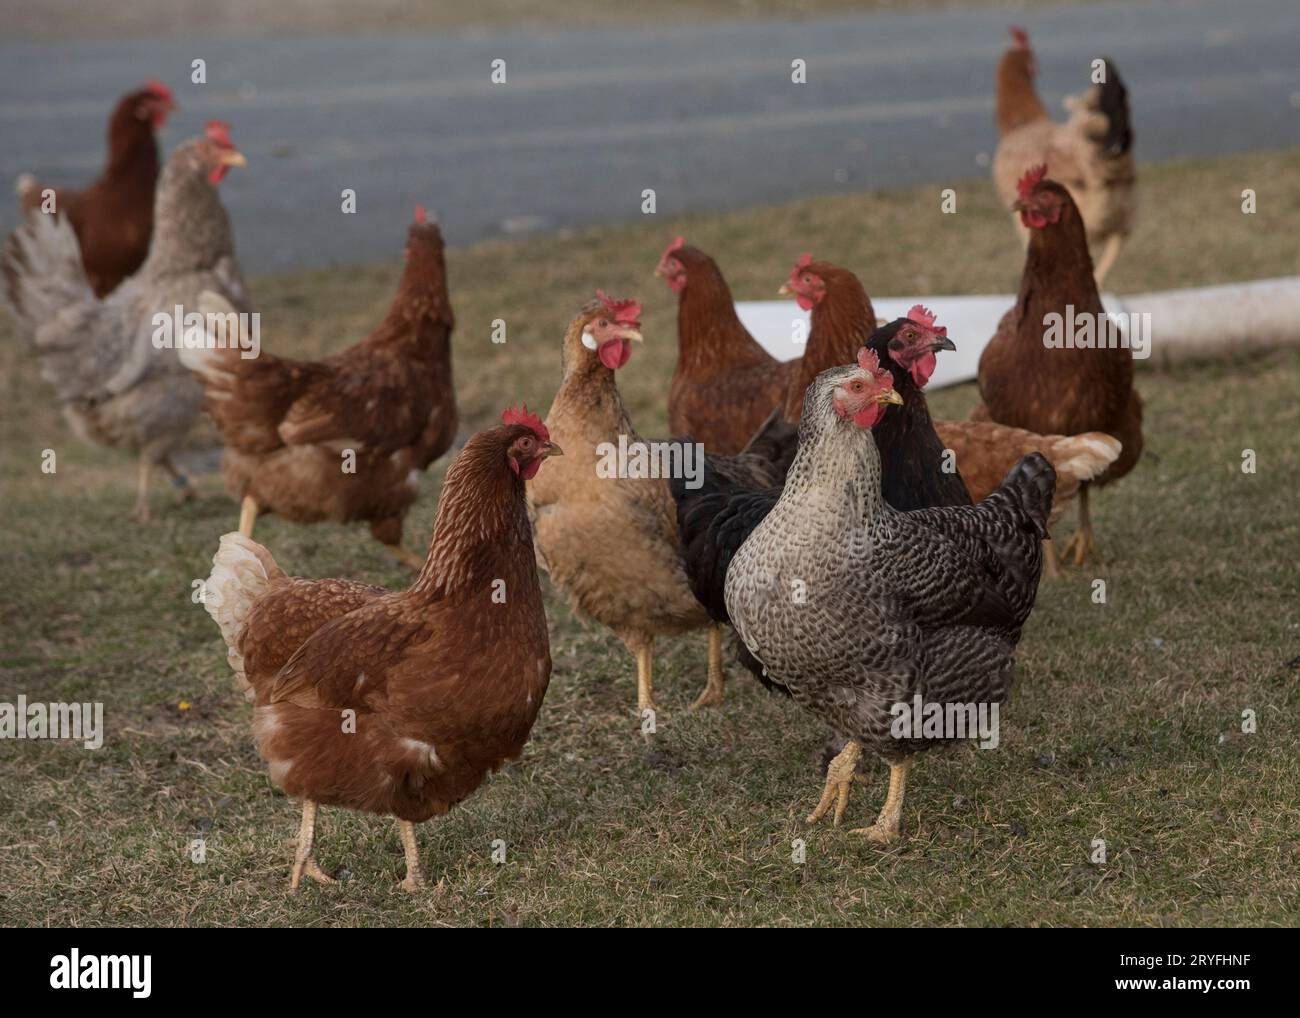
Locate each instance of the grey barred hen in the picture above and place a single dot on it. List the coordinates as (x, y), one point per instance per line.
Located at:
(118, 388)
(857, 607)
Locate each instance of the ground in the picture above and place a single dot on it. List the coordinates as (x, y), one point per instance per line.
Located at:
(1125, 726)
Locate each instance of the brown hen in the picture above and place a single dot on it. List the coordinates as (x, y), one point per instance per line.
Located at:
(385, 407)
(113, 217)
(1065, 389)
(398, 703)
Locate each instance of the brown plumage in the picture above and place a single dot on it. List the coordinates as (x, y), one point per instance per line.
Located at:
(725, 384)
(1060, 390)
(398, 703)
(1091, 153)
(610, 543)
(113, 217)
(388, 398)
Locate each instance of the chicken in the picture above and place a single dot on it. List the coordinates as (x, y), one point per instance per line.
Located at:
(113, 217)
(979, 453)
(608, 539)
(113, 362)
(398, 703)
(386, 402)
(1060, 389)
(1091, 153)
(861, 609)
(725, 384)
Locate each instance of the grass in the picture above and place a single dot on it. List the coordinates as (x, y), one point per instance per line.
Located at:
(1125, 724)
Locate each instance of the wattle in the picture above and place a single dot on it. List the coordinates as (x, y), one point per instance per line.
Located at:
(868, 415)
(923, 368)
(614, 353)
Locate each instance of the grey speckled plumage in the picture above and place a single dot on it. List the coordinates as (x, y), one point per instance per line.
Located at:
(894, 603)
(117, 388)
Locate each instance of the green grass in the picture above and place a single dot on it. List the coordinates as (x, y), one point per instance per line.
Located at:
(1124, 724)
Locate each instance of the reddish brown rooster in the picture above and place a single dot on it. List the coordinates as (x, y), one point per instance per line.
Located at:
(399, 703)
(1060, 389)
(385, 406)
(113, 217)
(725, 384)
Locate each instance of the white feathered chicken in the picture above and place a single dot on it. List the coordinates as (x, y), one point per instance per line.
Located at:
(118, 387)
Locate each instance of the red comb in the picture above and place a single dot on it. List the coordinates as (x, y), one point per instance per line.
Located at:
(420, 216)
(1033, 176)
(803, 262)
(219, 132)
(520, 415)
(677, 244)
(1020, 36)
(625, 312)
(155, 87)
(870, 363)
(926, 317)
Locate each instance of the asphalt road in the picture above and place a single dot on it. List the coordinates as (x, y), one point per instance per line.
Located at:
(705, 114)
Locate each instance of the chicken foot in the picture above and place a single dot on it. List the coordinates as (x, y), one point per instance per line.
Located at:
(713, 692)
(839, 781)
(1081, 545)
(885, 829)
(414, 876)
(304, 861)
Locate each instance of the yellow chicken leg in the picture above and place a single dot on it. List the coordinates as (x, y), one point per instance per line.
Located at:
(304, 861)
(414, 877)
(644, 679)
(140, 513)
(839, 780)
(247, 515)
(713, 692)
(1081, 545)
(1108, 255)
(885, 829)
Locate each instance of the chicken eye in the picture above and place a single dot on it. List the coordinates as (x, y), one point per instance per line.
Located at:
(603, 323)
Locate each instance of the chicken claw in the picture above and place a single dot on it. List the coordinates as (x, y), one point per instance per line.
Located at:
(1080, 546)
(886, 827)
(713, 692)
(304, 862)
(839, 781)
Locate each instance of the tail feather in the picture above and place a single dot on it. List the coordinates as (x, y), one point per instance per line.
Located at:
(43, 273)
(242, 571)
(1031, 485)
(1083, 457)
(1112, 101)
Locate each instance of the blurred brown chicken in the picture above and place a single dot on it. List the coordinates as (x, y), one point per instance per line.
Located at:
(113, 217)
(384, 407)
(1091, 153)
